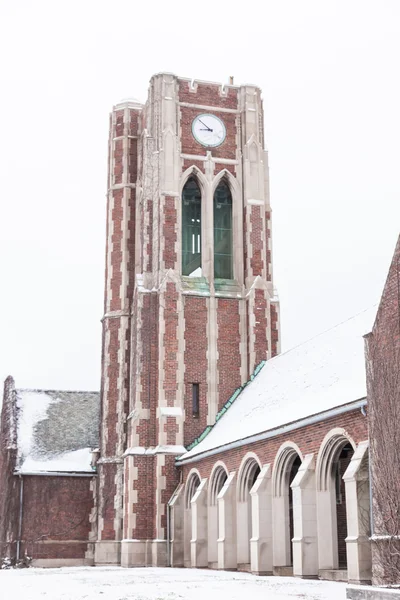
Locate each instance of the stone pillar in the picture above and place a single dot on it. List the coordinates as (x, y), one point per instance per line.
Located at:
(116, 326)
(198, 543)
(243, 532)
(280, 526)
(227, 558)
(358, 546)
(261, 541)
(257, 237)
(259, 332)
(176, 508)
(327, 529)
(305, 547)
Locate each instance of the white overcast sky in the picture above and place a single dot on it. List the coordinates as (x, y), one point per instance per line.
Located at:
(329, 70)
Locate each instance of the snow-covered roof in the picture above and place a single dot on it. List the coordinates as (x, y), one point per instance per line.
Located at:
(56, 430)
(325, 372)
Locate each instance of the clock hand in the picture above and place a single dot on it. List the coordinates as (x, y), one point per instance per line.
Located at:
(208, 129)
(205, 125)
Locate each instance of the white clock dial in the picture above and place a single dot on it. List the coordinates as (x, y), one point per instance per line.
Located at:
(208, 130)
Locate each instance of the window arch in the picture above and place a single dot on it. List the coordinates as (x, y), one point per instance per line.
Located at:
(191, 229)
(223, 238)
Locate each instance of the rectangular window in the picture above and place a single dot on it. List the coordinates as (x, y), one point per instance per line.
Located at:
(196, 399)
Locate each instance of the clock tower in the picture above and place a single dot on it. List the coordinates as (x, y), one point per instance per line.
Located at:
(190, 309)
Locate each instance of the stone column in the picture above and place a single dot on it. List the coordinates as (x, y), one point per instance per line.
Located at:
(116, 326)
(257, 237)
(261, 541)
(305, 547)
(227, 558)
(176, 507)
(198, 543)
(358, 546)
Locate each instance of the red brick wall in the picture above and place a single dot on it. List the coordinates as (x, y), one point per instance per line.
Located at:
(169, 232)
(308, 439)
(228, 348)
(208, 95)
(189, 144)
(268, 244)
(195, 359)
(256, 224)
(274, 330)
(187, 163)
(120, 237)
(260, 327)
(383, 352)
(56, 516)
(147, 369)
(145, 484)
(171, 474)
(107, 473)
(170, 344)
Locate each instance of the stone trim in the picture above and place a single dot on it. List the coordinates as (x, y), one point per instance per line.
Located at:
(209, 108)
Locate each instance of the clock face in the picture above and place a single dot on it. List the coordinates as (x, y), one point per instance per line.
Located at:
(208, 130)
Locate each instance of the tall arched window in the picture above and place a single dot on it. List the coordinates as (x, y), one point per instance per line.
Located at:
(191, 229)
(223, 243)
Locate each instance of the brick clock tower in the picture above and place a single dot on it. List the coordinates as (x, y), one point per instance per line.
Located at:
(190, 309)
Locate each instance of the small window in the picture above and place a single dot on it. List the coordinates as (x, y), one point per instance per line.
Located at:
(196, 399)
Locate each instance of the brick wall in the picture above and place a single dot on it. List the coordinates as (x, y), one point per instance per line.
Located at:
(228, 347)
(56, 516)
(383, 367)
(195, 359)
(207, 94)
(191, 146)
(308, 439)
(119, 289)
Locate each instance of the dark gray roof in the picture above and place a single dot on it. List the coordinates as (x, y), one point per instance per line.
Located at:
(56, 429)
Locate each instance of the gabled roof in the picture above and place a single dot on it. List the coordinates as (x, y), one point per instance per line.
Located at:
(56, 430)
(325, 372)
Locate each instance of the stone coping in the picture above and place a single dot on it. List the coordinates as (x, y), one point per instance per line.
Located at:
(366, 592)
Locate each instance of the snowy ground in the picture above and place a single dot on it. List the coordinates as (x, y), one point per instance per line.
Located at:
(113, 583)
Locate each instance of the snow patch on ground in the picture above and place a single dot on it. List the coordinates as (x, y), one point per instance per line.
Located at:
(78, 461)
(115, 583)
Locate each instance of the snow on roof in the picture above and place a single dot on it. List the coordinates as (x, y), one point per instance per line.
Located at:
(320, 374)
(56, 430)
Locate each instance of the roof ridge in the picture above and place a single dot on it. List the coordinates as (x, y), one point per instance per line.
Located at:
(324, 332)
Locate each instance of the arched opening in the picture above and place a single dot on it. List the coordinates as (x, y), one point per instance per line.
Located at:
(293, 472)
(249, 473)
(286, 467)
(223, 238)
(339, 467)
(218, 479)
(191, 229)
(192, 484)
(334, 458)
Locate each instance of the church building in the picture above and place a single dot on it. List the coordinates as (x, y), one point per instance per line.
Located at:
(206, 447)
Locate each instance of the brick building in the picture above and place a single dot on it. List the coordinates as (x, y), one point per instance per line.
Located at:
(213, 449)
(383, 369)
